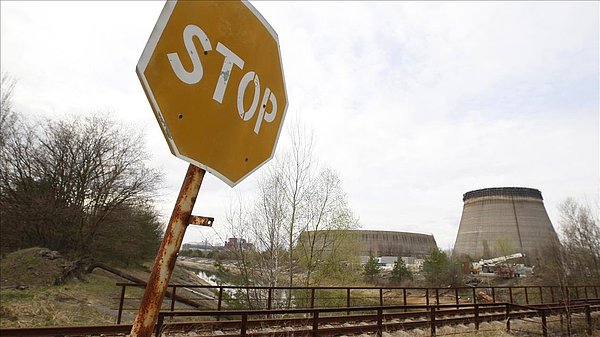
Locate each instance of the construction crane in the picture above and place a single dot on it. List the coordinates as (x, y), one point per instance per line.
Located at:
(490, 265)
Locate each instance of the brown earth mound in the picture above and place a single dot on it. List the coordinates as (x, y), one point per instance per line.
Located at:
(34, 267)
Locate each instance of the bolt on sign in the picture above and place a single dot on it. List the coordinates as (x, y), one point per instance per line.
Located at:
(213, 75)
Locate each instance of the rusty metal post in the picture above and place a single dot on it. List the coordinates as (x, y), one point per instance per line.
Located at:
(269, 298)
(315, 323)
(173, 298)
(159, 325)
(544, 323)
(348, 300)
(508, 317)
(476, 316)
(404, 297)
(432, 319)
(588, 319)
(427, 296)
(244, 326)
(456, 297)
(526, 295)
(121, 301)
(379, 322)
(220, 302)
(167, 254)
(220, 299)
(381, 297)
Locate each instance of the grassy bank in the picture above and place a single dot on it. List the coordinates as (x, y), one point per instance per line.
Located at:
(76, 302)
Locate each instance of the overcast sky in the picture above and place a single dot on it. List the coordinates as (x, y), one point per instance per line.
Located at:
(412, 103)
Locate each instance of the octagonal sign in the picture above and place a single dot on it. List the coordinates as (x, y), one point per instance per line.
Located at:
(212, 73)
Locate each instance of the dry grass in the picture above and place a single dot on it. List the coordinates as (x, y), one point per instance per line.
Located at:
(74, 303)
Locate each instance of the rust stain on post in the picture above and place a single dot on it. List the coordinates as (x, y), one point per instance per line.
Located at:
(145, 320)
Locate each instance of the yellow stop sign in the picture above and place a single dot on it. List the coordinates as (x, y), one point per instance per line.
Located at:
(213, 75)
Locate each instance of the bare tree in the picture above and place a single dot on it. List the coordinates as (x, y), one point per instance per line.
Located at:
(327, 217)
(576, 260)
(239, 220)
(296, 168)
(7, 115)
(63, 183)
(268, 224)
(295, 196)
(581, 239)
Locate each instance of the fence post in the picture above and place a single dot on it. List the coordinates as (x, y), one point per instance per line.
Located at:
(348, 300)
(552, 294)
(312, 298)
(494, 294)
(121, 301)
(379, 322)
(588, 318)
(596, 291)
(569, 319)
(476, 316)
(381, 297)
(508, 317)
(544, 325)
(526, 295)
(433, 322)
(437, 296)
(456, 297)
(244, 324)
(541, 295)
(270, 299)
(173, 299)
(315, 323)
(510, 294)
(473, 294)
(220, 302)
(159, 324)
(586, 293)
(427, 296)
(404, 297)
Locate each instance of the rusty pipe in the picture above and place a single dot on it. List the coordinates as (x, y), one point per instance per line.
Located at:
(164, 263)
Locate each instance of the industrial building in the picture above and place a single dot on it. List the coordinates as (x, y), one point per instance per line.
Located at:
(504, 220)
(384, 243)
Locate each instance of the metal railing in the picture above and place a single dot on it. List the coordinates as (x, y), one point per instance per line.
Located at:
(373, 319)
(235, 297)
(381, 318)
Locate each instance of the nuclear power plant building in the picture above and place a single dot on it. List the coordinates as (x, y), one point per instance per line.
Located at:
(504, 220)
(384, 243)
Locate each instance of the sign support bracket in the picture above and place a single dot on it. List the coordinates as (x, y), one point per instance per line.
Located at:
(164, 263)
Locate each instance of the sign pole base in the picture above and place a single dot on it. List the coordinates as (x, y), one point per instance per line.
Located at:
(164, 263)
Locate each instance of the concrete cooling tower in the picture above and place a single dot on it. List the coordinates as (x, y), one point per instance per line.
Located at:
(502, 221)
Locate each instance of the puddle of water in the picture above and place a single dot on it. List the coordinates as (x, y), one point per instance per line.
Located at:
(279, 297)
